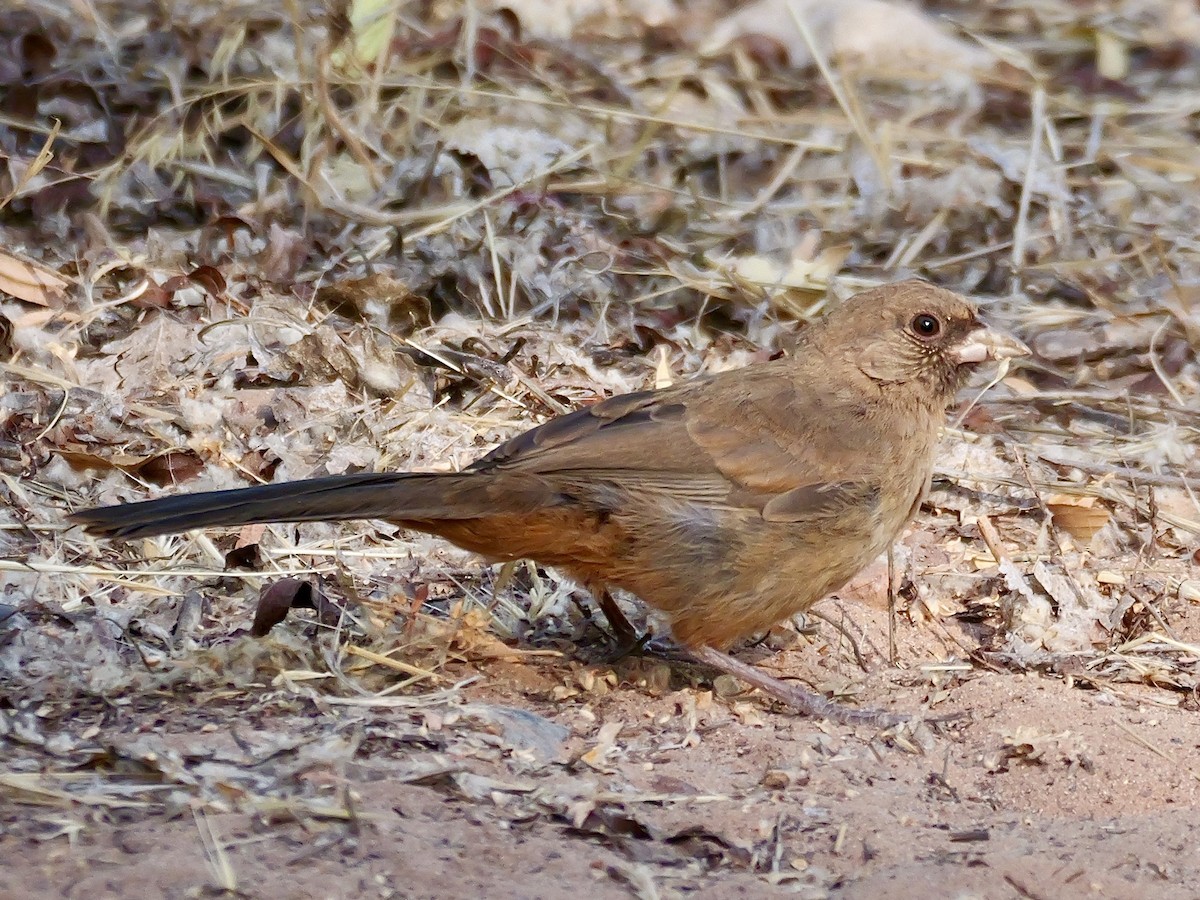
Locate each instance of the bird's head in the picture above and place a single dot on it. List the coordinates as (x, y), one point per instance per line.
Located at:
(916, 334)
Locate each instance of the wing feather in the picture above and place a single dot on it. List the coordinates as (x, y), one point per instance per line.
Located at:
(737, 447)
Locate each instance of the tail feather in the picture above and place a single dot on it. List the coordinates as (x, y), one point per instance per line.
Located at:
(381, 495)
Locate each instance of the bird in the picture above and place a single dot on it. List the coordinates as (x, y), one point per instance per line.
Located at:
(729, 502)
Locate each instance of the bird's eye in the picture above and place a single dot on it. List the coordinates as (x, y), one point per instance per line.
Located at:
(926, 325)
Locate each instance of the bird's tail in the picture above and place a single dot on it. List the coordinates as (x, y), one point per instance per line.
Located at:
(395, 496)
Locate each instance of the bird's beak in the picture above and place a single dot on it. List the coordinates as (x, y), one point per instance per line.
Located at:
(986, 343)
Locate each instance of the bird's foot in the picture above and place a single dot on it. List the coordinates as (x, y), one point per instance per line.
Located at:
(626, 639)
(626, 645)
(808, 702)
(651, 645)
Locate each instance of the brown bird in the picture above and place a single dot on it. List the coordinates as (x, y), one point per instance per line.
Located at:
(729, 502)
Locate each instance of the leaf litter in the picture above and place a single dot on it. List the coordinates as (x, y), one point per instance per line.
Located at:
(244, 242)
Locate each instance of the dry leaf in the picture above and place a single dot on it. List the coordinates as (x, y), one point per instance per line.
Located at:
(512, 154)
(866, 35)
(172, 467)
(605, 743)
(6, 331)
(30, 281)
(287, 594)
(1080, 517)
(1112, 55)
(379, 296)
(470, 632)
(801, 272)
(276, 600)
(373, 23)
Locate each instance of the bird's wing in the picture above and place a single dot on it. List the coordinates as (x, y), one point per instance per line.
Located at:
(751, 440)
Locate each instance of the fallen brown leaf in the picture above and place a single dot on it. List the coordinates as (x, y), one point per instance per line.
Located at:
(29, 280)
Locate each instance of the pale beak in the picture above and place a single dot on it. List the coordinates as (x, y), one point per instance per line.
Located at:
(985, 343)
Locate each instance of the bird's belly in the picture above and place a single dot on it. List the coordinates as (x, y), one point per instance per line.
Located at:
(792, 581)
(721, 581)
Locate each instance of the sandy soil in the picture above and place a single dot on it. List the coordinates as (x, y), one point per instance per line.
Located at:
(1031, 787)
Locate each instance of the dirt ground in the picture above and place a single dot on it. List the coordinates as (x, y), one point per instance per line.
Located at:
(1020, 785)
(246, 242)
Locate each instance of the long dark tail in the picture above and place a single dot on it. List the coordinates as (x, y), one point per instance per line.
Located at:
(383, 495)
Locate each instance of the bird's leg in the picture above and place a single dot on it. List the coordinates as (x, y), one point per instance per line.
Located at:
(806, 701)
(626, 635)
(622, 628)
(628, 640)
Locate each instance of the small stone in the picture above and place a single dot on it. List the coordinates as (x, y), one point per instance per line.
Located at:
(726, 686)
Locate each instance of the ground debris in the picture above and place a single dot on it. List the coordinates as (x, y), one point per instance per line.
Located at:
(249, 242)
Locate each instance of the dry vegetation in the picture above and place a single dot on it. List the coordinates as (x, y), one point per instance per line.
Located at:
(245, 242)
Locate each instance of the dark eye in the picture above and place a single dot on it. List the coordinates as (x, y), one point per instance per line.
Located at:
(926, 325)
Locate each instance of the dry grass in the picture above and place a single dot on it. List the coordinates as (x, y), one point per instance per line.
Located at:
(542, 222)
